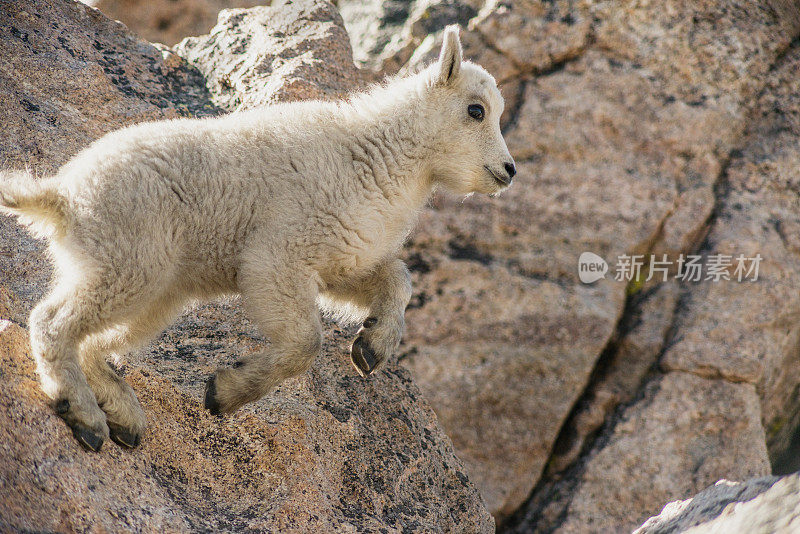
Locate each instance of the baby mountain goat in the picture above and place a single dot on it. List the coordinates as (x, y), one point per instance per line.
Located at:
(292, 206)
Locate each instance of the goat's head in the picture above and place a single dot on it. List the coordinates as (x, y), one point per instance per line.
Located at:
(471, 155)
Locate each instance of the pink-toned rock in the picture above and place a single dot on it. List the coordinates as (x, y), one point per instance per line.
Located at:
(617, 379)
(535, 34)
(709, 428)
(488, 358)
(748, 331)
(327, 451)
(684, 433)
(679, 43)
(168, 21)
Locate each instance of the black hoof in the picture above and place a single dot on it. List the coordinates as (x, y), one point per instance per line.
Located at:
(123, 437)
(211, 402)
(87, 438)
(363, 357)
(62, 406)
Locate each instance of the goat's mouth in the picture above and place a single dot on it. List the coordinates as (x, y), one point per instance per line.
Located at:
(500, 181)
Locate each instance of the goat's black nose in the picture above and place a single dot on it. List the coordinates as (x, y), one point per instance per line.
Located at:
(510, 169)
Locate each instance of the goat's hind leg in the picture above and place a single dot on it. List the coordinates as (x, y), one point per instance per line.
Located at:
(57, 327)
(124, 415)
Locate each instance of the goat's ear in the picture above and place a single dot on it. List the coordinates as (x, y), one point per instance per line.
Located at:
(450, 56)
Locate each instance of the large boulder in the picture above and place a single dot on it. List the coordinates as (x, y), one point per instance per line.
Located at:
(327, 451)
(729, 362)
(263, 55)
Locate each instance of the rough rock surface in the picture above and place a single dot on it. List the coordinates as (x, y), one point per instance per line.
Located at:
(290, 51)
(750, 332)
(766, 504)
(389, 30)
(681, 434)
(627, 120)
(738, 337)
(168, 21)
(325, 452)
(627, 363)
(69, 75)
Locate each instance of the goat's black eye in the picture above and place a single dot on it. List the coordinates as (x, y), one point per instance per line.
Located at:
(475, 111)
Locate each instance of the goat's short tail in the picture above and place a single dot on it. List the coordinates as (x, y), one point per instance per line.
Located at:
(37, 203)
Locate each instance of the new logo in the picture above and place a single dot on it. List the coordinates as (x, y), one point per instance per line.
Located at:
(591, 267)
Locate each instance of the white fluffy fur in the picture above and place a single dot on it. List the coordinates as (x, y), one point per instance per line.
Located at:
(290, 205)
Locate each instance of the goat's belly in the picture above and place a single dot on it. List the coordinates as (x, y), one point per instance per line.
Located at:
(350, 270)
(207, 270)
(207, 281)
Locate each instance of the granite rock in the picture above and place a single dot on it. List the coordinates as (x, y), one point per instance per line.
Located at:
(288, 51)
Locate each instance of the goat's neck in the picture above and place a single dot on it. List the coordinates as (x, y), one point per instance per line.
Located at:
(393, 149)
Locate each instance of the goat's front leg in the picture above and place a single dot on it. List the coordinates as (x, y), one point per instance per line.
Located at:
(385, 294)
(282, 302)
